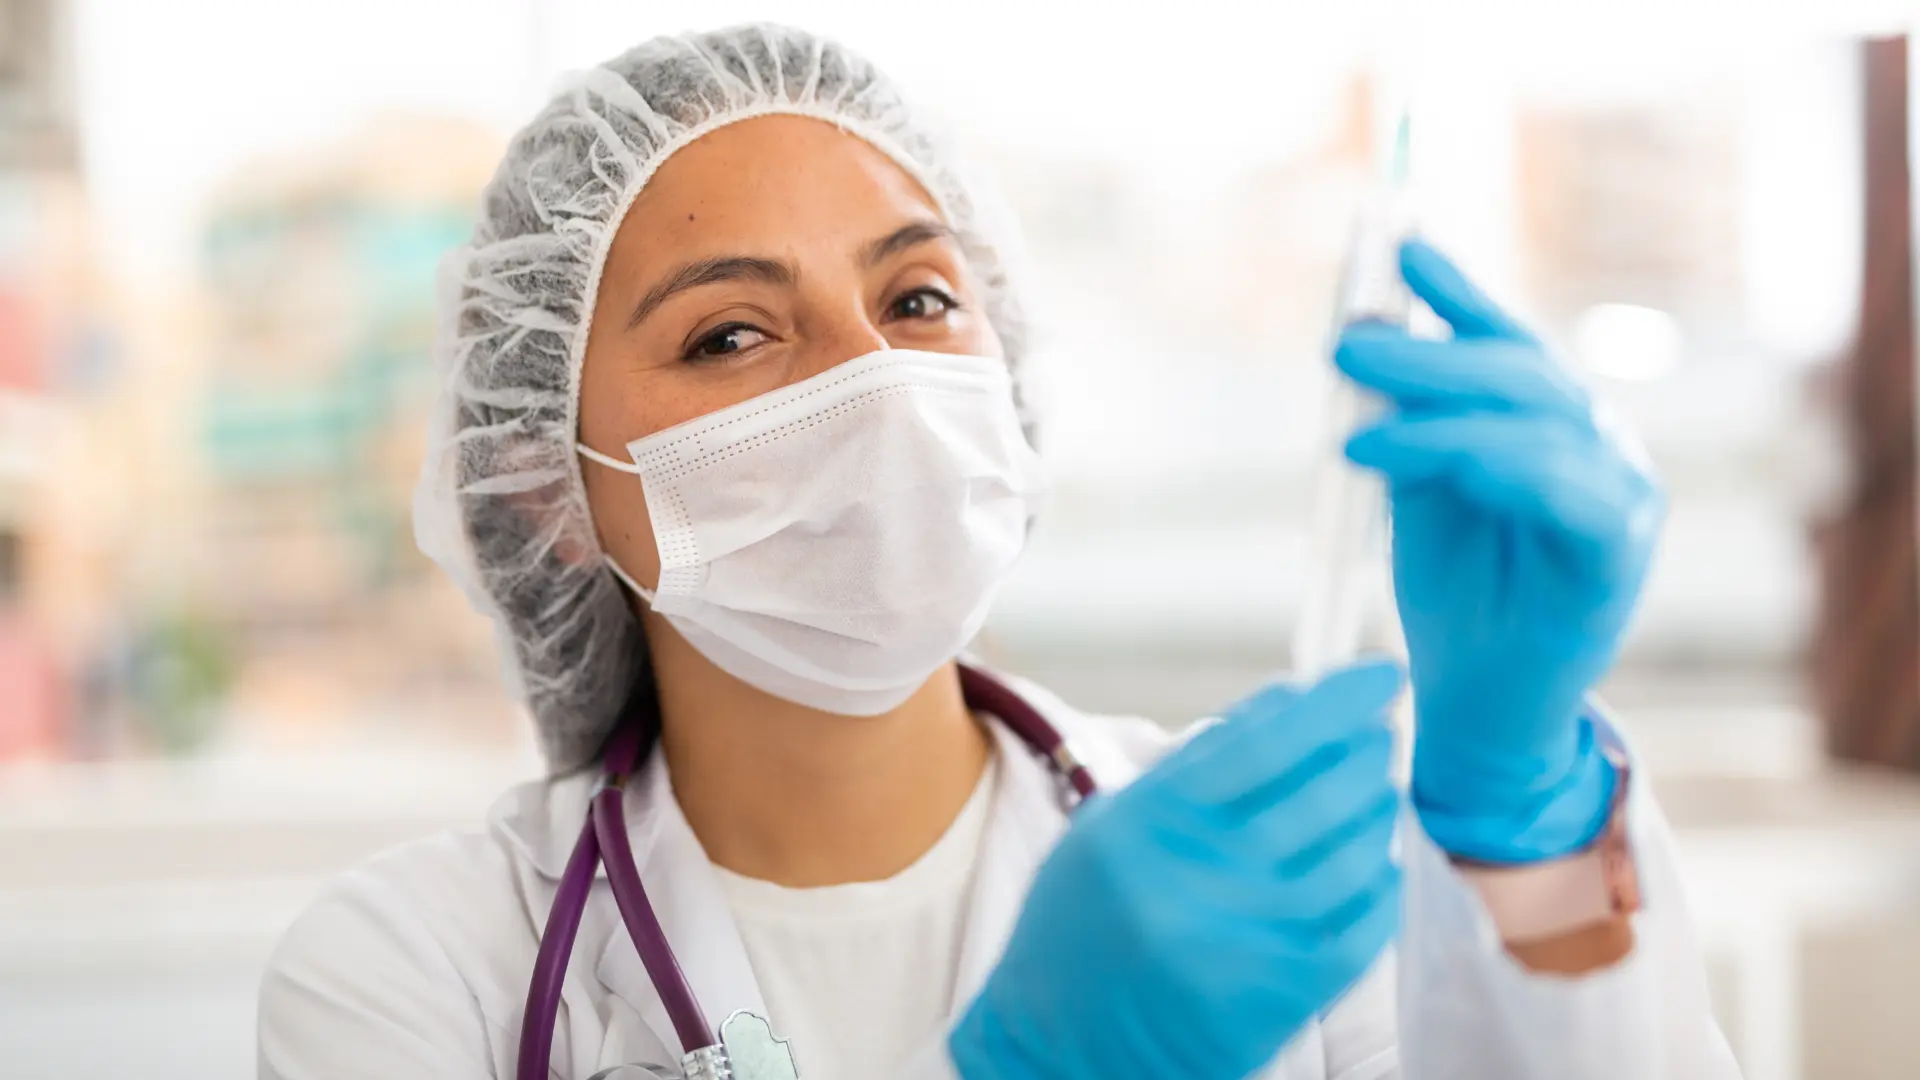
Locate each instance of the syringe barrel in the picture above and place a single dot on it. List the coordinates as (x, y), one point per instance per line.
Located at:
(1346, 528)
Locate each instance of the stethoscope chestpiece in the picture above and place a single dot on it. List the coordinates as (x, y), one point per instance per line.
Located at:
(751, 1051)
(746, 1039)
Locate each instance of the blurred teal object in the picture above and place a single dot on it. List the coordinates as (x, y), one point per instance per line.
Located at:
(320, 425)
(401, 250)
(268, 433)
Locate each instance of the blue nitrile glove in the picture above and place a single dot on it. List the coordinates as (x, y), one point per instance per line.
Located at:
(1522, 530)
(1187, 926)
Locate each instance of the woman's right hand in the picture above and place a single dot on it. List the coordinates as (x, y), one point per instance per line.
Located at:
(1188, 926)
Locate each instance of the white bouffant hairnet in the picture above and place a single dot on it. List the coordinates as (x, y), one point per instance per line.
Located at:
(500, 504)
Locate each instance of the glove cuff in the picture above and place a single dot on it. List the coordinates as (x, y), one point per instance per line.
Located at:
(1525, 823)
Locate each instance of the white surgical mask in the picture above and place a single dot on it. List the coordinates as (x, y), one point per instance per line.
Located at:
(835, 541)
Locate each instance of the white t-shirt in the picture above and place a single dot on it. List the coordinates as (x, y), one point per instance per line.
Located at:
(856, 977)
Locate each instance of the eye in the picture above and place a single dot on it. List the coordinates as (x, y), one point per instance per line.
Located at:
(925, 302)
(724, 341)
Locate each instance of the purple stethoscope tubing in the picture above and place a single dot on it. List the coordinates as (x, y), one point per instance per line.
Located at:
(605, 834)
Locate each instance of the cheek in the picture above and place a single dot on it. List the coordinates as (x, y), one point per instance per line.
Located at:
(975, 337)
(621, 402)
(613, 412)
(986, 342)
(990, 344)
(619, 507)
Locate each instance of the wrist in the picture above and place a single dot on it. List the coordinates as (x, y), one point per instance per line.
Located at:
(1574, 914)
(1516, 809)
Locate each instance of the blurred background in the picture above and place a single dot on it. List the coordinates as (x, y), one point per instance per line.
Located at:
(226, 673)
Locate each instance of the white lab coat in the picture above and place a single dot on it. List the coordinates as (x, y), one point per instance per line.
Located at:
(416, 964)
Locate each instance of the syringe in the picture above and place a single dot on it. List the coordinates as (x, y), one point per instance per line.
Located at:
(1346, 528)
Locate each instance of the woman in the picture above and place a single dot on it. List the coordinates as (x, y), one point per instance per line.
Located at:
(732, 449)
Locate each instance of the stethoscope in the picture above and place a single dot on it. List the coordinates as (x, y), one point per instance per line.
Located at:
(744, 1048)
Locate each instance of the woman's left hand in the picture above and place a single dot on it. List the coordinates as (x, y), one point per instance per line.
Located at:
(1522, 532)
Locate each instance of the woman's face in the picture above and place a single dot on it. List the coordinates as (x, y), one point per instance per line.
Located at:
(762, 254)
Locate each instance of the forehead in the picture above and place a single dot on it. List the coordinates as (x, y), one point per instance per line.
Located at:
(770, 185)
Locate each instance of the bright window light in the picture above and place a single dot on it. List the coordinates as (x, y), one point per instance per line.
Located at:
(1627, 341)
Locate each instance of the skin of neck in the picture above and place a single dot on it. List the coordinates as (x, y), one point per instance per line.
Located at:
(804, 798)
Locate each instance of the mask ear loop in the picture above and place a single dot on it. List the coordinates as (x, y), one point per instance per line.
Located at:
(614, 463)
(630, 469)
(626, 579)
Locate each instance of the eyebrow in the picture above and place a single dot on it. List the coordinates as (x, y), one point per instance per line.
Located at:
(708, 272)
(773, 272)
(902, 238)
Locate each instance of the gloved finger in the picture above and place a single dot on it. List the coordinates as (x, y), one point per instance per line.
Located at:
(1536, 469)
(1251, 864)
(1348, 779)
(1255, 710)
(1437, 281)
(1418, 373)
(1359, 931)
(1346, 866)
(1246, 881)
(1273, 697)
(1348, 939)
(1417, 447)
(1257, 742)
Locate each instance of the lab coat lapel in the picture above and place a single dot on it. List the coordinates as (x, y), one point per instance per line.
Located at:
(1027, 818)
(693, 913)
